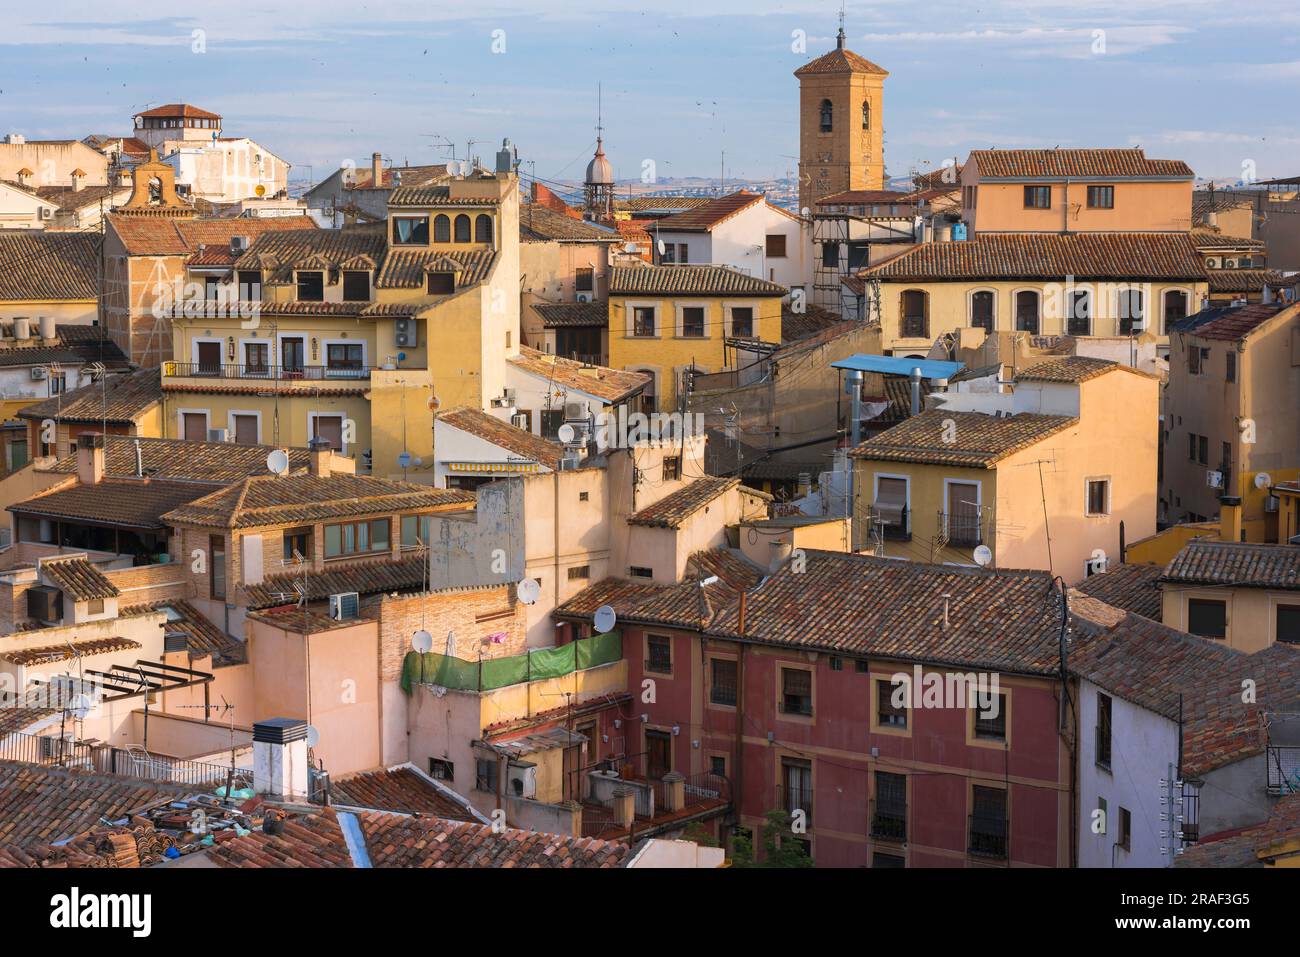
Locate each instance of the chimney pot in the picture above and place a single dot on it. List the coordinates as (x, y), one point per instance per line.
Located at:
(377, 170)
(280, 758)
(321, 456)
(90, 458)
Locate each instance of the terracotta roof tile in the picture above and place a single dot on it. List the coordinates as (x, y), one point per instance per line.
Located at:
(1241, 564)
(49, 266)
(365, 578)
(21, 719)
(129, 503)
(870, 197)
(408, 268)
(201, 636)
(1130, 587)
(661, 202)
(708, 215)
(394, 841)
(538, 224)
(434, 195)
(180, 110)
(840, 61)
(1067, 369)
(77, 578)
(309, 840)
(688, 281)
(672, 510)
(1241, 280)
(1074, 163)
(1255, 846)
(812, 321)
(609, 385)
(1230, 323)
(49, 654)
(504, 435)
(564, 315)
(979, 441)
(1207, 238)
(1048, 256)
(402, 789)
(212, 463)
(153, 236)
(279, 253)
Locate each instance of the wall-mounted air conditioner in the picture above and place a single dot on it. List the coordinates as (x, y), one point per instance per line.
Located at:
(406, 333)
(583, 297)
(519, 420)
(575, 412)
(218, 435)
(47, 212)
(39, 372)
(521, 779)
(1214, 479)
(1270, 503)
(344, 605)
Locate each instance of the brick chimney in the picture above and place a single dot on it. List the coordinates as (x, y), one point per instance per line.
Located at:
(377, 170)
(90, 458)
(78, 178)
(321, 455)
(280, 758)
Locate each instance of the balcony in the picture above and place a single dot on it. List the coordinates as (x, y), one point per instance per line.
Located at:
(962, 530)
(988, 837)
(889, 821)
(1283, 770)
(305, 373)
(658, 803)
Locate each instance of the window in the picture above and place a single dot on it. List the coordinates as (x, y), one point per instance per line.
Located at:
(415, 530)
(441, 770)
(1124, 833)
(1099, 496)
(1079, 317)
(356, 538)
(1038, 197)
(1207, 617)
(796, 691)
(836, 663)
(1103, 730)
(329, 428)
(579, 573)
(1230, 373)
(585, 279)
(1288, 623)
(672, 468)
(411, 230)
(889, 714)
(1175, 307)
(257, 358)
(643, 320)
(311, 287)
(95, 606)
(722, 681)
(297, 540)
(742, 322)
(831, 255)
(356, 285)
(659, 654)
(693, 322)
(669, 254)
(1101, 197)
(991, 727)
(889, 510)
(245, 428)
(195, 425)
(988, 822)
(584, 496)
(485, 774)
(1027, 301)
(776, 245)
(887, 860)
(1131, 312)
(1105, 814)
(796, 787)
(866, 114)
(683, 253)
(250, 285)
(440, 283)
(211, 289)
(640, 571)
(217, 567)
(718, 765)
(17, 454)
(441, 229)
(913, 312)
(483, 228)
(889, 811)
(1203, 450)
(981, 310)
(344, 355)
(461, 228)
(861, 666)
(962, 520)
(827, 117)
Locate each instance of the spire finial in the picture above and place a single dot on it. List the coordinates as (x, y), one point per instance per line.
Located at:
(599, 129)
(839, 37)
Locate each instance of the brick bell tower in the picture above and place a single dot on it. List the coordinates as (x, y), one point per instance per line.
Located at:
(841, 141)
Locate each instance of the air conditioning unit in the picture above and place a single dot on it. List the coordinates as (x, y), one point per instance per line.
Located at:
(344, 605)
(45, 603)
(1214, 479)
(575, 412)
(40, 372)
(407, 333)
(583, 297)
(1212, 262)
(1270, 503)
(218, 435)
(519, 420)
(238, 244)
(521, 779)
(47, 212)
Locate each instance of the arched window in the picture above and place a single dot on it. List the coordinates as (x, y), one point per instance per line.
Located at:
(981, 310)
(1175, 307)
(441, 229)
(648, 400)
(462, 228)
(483, 228)
(1078, 317)
(828, 112)
(1131, 311)
(866, 114)
(914, 311)
(1027, 311)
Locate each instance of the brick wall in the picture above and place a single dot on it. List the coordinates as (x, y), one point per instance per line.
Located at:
(467, 611)
(149, 583)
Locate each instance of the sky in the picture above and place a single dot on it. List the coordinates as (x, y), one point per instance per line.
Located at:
(690, 85)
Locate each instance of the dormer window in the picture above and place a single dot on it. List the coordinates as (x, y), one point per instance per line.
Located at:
(311, 287)
(356, 285)
(410, 230)
(441, 283)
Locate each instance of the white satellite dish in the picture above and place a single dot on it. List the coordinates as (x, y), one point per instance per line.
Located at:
(631, 248)
(528, 590)
(278, 462)
(313, 736)
(983, 555)
(660, 246)
(1263, 480)
(565, 433)
(422, 641)
(604, 620)
(81, 706)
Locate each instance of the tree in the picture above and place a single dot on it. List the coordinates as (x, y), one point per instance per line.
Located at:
(781, 848)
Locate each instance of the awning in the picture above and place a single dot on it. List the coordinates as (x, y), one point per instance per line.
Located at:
(897, 365)
(493, 468)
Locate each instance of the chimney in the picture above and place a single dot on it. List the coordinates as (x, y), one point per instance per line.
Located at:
(916, 391)
(78, 178)
(377, 170)
(90, 458)
(321, 454)
(1230, 518)
(280, 758)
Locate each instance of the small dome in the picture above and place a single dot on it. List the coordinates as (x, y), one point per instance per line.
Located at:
(599, 172)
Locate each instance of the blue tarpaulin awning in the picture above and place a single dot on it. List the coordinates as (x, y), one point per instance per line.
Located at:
(897, 365)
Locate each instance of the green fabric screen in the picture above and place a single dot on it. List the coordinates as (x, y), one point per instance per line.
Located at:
(493, 673)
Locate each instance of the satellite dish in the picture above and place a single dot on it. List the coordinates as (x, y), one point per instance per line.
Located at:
(422, 641)
(528, 590)
(604, 619)
(278, 462)
(260, 190)
(404, 460)
(565, 433)
(313, 736)
(81, 706)
(1263, 480)
(631, 248)
(805, 212)
(983, 555)
(660, 246)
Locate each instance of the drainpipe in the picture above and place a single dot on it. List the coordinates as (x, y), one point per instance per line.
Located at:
(738, 775)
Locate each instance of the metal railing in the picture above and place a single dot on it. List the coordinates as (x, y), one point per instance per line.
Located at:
(705, 787)
(889, 820)
(1283, 770)
(131, 762)
(962, 529)
(798, 799)
(204, 370)
(988, 836)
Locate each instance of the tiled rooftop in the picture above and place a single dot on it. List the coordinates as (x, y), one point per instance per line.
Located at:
(675, 508)
(366, 578)
(1275, 840)
(402, 789)
(502, 434)
(49, 266)
(78, 579)
(609, 385)
(129, 503)
(1231, 323)
(979, 440)
(1130, 587)
(1075, 163)
(565, 315)
(49, 654)
(394, 841)
(538, 224)
(213, 463)
(705, 217)
(688, 281)
(120, 401)
(1237, 564)
(408, 268)
(840, 61)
